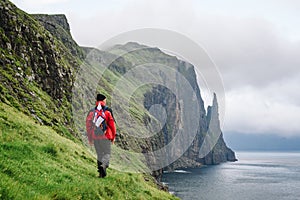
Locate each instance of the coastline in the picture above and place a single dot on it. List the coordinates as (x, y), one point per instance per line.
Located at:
(257, 175)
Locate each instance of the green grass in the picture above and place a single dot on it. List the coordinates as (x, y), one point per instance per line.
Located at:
(38, 163)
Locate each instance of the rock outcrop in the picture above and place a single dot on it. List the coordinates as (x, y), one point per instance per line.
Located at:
(220, 152)
(37, 70)
(59, 27)
(209, 125)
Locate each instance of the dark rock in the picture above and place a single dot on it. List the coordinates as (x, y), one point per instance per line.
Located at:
(59, 27)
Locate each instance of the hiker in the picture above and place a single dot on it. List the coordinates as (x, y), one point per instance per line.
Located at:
(101, 132)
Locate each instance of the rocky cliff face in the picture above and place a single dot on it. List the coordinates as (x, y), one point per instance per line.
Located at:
(37, 70)
(39, 62)
(38, 52)
(209, 125)
(59, 27)
(220, 152)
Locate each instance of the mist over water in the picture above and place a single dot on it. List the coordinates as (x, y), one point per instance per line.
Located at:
(257, 175)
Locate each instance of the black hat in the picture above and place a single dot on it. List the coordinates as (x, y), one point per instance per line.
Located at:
(100, 97)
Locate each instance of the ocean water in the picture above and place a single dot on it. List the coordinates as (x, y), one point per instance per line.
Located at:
(256, 176)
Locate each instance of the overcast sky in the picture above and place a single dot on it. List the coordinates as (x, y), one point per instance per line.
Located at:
(255, 44)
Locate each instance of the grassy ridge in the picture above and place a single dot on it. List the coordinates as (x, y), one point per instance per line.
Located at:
(38, 163)
(41, 155)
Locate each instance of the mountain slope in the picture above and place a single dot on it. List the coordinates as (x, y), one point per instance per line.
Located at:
(42, 155)
(37, 70)
(38, 163)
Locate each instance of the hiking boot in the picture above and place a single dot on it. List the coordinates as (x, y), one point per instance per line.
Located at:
(102, 172)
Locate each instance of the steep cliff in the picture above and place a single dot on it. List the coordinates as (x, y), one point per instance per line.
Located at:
(37, 70)
(59, 27)
(209, 125)
(220, 152)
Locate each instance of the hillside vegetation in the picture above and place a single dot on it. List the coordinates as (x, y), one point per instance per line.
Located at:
(37, 163)
(42, 155)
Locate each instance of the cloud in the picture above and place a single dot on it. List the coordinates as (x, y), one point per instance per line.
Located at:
(250, 110)
(95, 29)
(42, 2)
(249, 51)
(42, 6)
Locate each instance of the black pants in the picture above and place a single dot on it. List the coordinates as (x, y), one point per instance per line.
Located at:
(103, 150)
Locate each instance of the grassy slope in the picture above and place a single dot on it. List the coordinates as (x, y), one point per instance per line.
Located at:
(38, 163)
(47, 161)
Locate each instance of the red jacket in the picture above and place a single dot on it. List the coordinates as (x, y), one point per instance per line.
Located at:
(111, 127)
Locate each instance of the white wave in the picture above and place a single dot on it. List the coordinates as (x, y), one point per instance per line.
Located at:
(181, 171)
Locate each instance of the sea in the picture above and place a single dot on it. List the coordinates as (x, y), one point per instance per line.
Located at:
(255, 176)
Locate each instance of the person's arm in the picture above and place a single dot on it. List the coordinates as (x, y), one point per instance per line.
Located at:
(89, 127)
(111, 124)
(111, 112)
